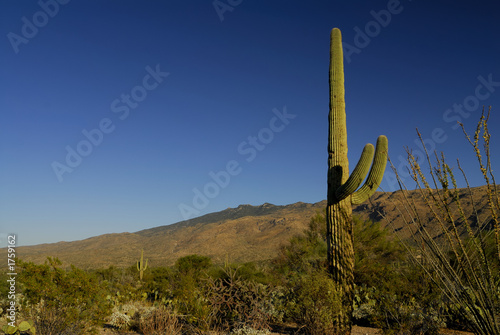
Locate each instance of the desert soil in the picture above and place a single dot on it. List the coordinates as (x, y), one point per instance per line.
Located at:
(374, 331)
(356, 330)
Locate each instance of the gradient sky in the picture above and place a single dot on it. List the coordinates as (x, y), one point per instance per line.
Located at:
(173, 92)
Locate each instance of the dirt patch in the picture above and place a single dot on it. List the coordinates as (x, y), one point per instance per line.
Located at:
(365, 331)
(356, 330)
(454, 332)
(374, 331)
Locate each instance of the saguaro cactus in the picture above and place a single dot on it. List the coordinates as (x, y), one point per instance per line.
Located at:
(140, 265)
(343, 188)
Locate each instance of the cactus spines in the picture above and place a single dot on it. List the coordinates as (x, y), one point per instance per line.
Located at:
(141, 267)
(343, 189)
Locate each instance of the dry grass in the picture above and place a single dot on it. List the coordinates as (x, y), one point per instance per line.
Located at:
(160, 321)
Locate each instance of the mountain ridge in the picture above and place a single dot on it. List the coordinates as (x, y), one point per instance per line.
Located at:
(241, 234)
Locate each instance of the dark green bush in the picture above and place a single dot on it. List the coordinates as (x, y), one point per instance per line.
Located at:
(193, 265)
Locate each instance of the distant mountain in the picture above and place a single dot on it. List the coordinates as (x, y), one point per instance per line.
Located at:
(244, 233)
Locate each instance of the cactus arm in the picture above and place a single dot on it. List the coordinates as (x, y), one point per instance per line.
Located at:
(358, 175)
(376, 173)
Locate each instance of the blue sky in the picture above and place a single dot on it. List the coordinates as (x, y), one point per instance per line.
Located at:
(125, 115)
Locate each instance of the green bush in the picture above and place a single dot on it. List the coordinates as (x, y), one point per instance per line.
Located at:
(379, 259)
(4, 292)
(61, 301)
(158, 285)
(316, 302)
(396, 315)
(193, 265)
(188, 298)
(303, 253)
(121, 283)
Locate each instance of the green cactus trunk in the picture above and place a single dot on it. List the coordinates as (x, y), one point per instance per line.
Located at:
(141, 267)
(342, 187)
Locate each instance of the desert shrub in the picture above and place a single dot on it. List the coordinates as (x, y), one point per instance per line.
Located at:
(120, 321)
(249, 271)
(126, 316)
(122, 277)
(379, 258)
(364, 305)
(303, 252)
(464, 261)
(316, 302)
(4, 292)
(130, 316)
(246, 330)
(406, 315)
(187, 293)
(50, 319)
(235, 302)
(193, 265)
(158, 285)
(121, 284)
(382, 268)
(60, 301)
(160, 320)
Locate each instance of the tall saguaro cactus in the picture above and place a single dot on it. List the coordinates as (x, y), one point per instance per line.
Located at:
(141, 267)
(343, 188)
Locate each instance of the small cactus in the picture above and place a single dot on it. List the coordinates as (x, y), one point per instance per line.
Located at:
(8, 329)
(141, 267)
(23, 327)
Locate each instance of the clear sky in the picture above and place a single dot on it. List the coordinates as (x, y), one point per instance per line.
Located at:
(120, 115)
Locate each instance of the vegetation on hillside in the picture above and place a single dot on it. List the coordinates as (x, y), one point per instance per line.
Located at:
(195, 295)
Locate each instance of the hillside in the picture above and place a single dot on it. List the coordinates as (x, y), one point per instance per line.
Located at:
(245, 233)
